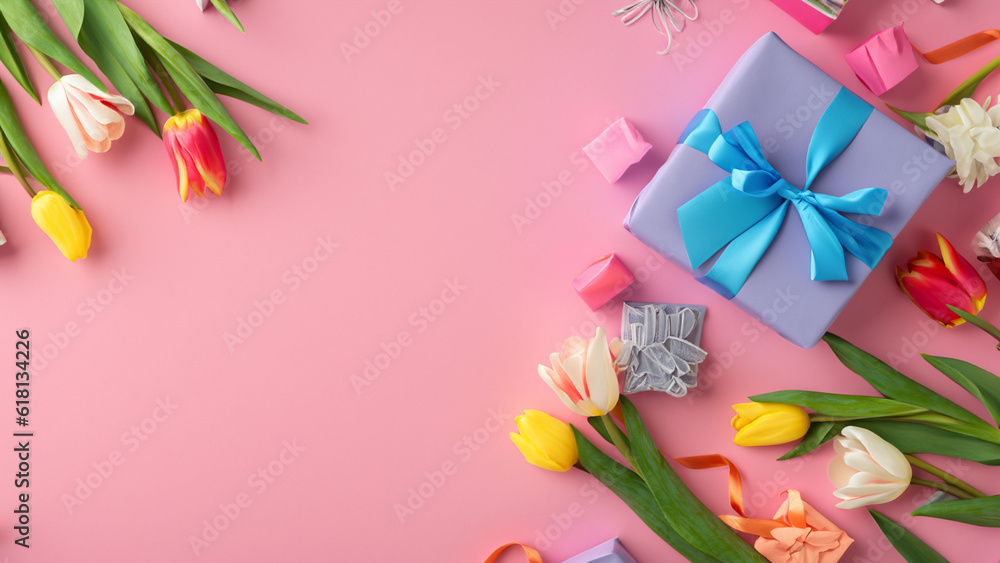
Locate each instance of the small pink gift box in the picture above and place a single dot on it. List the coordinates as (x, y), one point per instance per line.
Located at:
(816, 15)
(602, 280)
(617, 148)
(884, 60)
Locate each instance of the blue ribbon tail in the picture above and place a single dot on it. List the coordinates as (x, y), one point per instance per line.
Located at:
(733, 267)
(827, 261)
(867, 243)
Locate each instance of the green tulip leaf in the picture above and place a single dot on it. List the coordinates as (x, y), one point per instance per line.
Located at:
(186, 78)
(633, 491)
(912, 548)
(831, 404)
(226, 11)
(912, 438)
(71, 12)
(29, 26)
(111, 68)
(226, 85)
(895, 385)
(976, 511)
(686, 514)
(12, 60)
(597, 424)
(918, 118)
(982, 384)
(10, 126)
(107, 31)
(818, 434)
(967, 88)
(977, 321)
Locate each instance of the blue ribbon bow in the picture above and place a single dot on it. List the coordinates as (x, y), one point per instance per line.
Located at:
(744, 211)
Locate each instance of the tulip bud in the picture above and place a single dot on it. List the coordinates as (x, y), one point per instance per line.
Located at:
(545, 441)
(63, 223)
(92, 118)
(867, 470)
(195, 153)
(933, 283)
(768, 424)
(583, 375)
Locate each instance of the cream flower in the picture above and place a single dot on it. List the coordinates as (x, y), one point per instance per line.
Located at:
(583, 375)
(867, 469)
(92, 118)
(970, 137)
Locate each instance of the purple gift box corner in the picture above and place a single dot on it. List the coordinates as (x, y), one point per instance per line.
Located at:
(783, 95)
(611, 551)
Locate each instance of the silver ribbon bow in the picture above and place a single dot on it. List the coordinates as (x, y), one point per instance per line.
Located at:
(661, 15)
(656, 353)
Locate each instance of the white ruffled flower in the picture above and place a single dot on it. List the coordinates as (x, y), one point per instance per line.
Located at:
(202, 4)
(970, 135)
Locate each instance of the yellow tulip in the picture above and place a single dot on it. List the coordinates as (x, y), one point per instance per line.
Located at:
(545, 441)
(63, 223)
(768, 424)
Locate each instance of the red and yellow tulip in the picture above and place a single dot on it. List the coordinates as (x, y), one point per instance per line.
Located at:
(195, 153)
(933, 283)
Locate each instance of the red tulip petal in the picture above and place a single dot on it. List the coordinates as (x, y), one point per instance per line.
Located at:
(963, 272)
(929, 264)
(931, 294)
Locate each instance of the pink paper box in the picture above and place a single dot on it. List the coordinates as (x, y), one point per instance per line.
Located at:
(816, 15)
(602, 280)
(610, 551)
(617, 148)
(884, 60)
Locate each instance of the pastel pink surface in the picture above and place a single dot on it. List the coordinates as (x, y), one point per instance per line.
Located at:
(616, 148)
(382, 335)
(602, 281)
(884, 60)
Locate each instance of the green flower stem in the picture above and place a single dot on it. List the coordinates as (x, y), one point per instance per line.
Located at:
(14, 166)
(817, 417)
(46, 63)
(978, 321)
(941, 487)
(618, 438)
(161, 73)
(944, 475)
(985, 432)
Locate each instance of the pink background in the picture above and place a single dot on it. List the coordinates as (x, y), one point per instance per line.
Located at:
(346, 462)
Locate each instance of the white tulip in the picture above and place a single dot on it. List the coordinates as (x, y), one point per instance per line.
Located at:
(867, 469)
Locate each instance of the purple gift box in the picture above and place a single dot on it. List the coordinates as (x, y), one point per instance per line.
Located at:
(610, 551)
(782, 95)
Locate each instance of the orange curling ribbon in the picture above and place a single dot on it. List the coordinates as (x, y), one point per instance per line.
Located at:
(532, 555)
(960, 47)
(716, 460)
(740, 523)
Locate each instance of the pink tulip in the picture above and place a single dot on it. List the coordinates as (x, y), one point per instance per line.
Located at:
(933, 283)
(92, 118)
